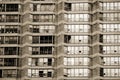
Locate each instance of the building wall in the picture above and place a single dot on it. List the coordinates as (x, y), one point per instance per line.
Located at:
(59, 39)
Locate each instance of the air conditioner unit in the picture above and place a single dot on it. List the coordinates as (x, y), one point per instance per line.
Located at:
(79, 51)
(115, 51)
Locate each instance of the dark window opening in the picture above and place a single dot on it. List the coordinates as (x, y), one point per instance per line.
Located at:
(101, 72)
(49, 61)
(46, 39)
(12, 40)
(11, 51)
(2, 30)
(101, 49)
(101, 38)
(35, 30)
(67, 6)
(11, 30)
(49, 74)
(10, 62)
(34, 7)
(0, 73)
(2, 7)
(67, 38)
(45, 50)
(11, 7)
(41, 73)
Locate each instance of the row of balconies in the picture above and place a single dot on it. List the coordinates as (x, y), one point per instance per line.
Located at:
(106, 28)
(84, 6)
(50, 40)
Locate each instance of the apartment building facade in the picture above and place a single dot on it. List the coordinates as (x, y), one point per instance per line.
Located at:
(59, 39)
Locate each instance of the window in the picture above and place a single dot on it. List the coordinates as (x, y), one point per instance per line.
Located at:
(111, 50)
(77, 50)
(1, 40)
(2, 29)
(45, 50)
(111, 72)
(111, 17)
(35, 29)
(46, 39)
(50, 61)
(111, 38)
(35, 18)
(42, 0)
(110, 27)
(35, 50)
(35, 39)
(1, 51)
(40, 73)
(77, 6)
(11, 51)
(76, 17)
(44, 18)
(77, 28)
(42, 50)
(2, 18)
(43, 39)
(10, 73)
(76, 39)
(43, 7)
(42, 29)
(47, 7)
(35, 7)
(67, 6)
(9, 29)
(11, 7)
(1, 62)
(2, 7)
(40, 62)
(111, 61)
(12, 18)
(49, 74)
(12, 29)
(10, 62)
(11, 40)
(76, 61)
(76, 72)
(108, 6)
